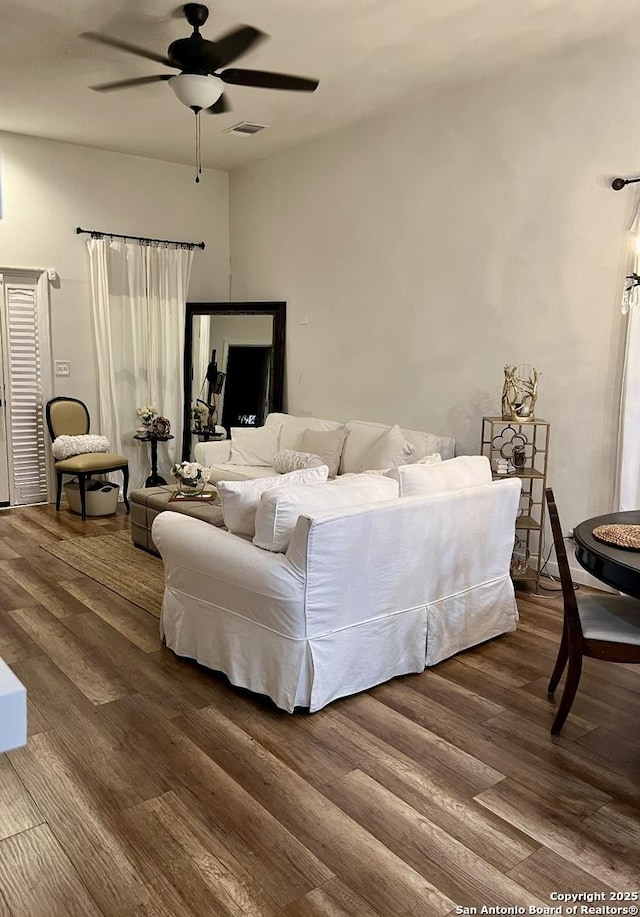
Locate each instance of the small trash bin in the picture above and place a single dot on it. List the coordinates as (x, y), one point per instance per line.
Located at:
(101, 497)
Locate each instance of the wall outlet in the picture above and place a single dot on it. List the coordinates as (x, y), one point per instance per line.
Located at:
(62, 368)
(303, 319)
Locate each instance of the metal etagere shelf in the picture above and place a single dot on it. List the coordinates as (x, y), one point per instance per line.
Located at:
(499, 438)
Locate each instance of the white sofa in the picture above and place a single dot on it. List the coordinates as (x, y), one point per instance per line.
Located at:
(361, 436)
(362, 593)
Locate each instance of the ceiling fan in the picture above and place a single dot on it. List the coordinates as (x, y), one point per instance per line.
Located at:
(203, 67)
(201, 82)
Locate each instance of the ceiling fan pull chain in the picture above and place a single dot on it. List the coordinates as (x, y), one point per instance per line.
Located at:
(198, 154)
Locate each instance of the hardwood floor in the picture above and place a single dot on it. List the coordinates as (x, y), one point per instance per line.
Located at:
(150, 787)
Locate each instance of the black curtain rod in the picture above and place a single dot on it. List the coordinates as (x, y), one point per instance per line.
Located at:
(619, 183)
(97, 234)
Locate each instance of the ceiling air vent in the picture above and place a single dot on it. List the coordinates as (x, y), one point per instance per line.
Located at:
(246, 129)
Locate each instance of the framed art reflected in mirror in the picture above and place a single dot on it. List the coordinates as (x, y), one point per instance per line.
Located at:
(233, 367)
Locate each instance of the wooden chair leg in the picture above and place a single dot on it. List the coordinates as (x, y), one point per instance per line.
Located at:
(561, 661)
(570, 688)
(83, 495)
(58, 489)
(125, 486)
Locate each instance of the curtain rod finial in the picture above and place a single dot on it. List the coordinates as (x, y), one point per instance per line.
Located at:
(618, 184)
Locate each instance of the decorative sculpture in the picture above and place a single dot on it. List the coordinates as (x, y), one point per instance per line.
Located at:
(519, 393)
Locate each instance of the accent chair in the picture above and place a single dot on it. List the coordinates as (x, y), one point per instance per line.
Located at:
(70, 417)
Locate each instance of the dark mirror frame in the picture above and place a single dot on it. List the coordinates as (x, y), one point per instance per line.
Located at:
(276, 387)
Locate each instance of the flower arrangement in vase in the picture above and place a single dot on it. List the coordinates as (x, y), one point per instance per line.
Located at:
(147, 415)
(191, 477)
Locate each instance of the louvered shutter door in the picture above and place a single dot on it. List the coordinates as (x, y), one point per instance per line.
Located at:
(25, 397)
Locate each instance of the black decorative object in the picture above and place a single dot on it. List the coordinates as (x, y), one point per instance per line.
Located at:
(99, 234)
(619, 183)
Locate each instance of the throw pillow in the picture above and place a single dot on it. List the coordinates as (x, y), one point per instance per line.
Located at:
(254, 445)
(328, 444)
(290, 460)
(389, 450)
(64, 446)
(454, 474)
(279, 509)
(432, 459)
(240, 499)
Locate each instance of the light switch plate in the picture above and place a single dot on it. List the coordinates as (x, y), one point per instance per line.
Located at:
(63, 368)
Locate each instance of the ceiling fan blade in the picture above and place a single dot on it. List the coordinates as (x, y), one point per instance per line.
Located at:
(263, 79)
(129, 48)
(235, 43)
(219, 107)
(125, 84)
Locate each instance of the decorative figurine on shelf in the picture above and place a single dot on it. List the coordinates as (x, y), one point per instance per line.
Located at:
(520, 393)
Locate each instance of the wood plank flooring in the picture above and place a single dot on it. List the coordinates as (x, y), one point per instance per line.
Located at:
(152, 788)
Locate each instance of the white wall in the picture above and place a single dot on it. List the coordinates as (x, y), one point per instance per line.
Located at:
(50, 188)
(432, 246)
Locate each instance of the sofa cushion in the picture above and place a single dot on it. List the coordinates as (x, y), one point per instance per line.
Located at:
(254, 445)
(294, 427)
(227, 472)
(240, 499)
(362, 436)
(279, 509)
(289, 460)
(389, 450)
(455, 474)
(327, 444)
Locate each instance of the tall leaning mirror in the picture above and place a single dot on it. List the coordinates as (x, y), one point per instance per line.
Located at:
(233, 367)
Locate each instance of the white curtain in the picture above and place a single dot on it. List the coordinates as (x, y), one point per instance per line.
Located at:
(628, 478)
(138, 295)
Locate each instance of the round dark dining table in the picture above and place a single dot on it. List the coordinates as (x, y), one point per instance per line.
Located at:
(617, 567)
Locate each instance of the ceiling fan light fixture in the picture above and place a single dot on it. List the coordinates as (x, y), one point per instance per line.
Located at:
(195, 90)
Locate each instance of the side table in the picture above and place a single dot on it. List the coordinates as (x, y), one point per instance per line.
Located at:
(154, 479)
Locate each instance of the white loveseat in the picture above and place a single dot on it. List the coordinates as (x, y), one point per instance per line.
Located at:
(361, 437)
(362, 593)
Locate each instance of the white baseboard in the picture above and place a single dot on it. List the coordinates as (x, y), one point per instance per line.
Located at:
(579, 575)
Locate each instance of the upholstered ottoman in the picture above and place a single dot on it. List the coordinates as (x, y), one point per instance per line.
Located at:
(147, 502)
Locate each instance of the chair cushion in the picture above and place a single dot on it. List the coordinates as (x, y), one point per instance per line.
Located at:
(615, 618)
(91, 461)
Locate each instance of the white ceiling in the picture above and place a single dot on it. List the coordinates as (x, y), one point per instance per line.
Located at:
(369, 55)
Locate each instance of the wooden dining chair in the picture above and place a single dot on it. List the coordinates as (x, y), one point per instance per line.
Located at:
(70, 416)
(600, 625)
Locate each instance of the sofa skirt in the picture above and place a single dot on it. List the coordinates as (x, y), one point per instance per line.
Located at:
(294, 672)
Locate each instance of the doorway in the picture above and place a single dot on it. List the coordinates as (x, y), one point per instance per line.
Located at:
(246, 387)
